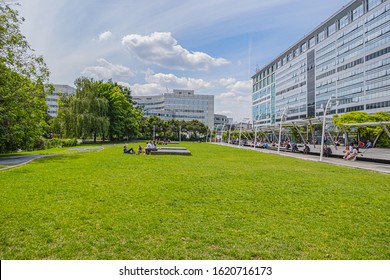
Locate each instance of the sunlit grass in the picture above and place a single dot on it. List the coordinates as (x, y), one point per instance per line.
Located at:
(219, 203)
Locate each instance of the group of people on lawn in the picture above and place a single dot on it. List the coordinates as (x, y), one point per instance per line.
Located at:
(150, 146)
(352, 151)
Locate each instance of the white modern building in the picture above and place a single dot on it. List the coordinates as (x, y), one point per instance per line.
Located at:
(52, 99)
(220, 120)
(346, 58)
(182, 104)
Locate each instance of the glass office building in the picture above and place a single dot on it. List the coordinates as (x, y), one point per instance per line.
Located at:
(180, 105)
(347, 56)
(52, 98)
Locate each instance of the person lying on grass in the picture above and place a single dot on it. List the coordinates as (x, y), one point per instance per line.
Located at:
(128, 151)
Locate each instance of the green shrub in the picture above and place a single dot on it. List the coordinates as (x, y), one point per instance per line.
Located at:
(59, 143)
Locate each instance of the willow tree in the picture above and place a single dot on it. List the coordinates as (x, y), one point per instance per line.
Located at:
(124, 117)
(87, 111)
(22, 92)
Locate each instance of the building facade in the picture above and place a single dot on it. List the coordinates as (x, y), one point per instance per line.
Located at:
(220, 120)
(347, 57)
(52, 99)
(180, 105)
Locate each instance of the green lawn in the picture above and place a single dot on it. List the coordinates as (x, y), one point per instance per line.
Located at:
(219, 203)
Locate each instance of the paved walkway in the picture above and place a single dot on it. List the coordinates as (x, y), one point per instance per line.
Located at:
(374, 166)
(14, 161)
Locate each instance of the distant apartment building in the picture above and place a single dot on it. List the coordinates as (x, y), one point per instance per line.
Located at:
(347, 58)
(52, 99)
(181, 105)
(220, 120)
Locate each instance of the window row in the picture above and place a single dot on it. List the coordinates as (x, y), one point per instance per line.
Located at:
(384, 83)
(377, 64)
(377, 22)
(347, 35)
(378, 105)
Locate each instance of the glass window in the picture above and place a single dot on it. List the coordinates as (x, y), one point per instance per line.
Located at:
(373, 3)
(321, 36)
(304, 47)
(296, 52)
(331, 29)
(358, 12)
(312, 42)
(344, 21)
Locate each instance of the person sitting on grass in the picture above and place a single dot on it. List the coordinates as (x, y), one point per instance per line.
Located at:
(352, 155)
(140, 151)
(128, 151)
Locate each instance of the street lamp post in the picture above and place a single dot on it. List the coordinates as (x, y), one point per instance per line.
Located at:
(216, 132)
(255, 138)
(230, 129)
(323, 126)
(280, 128)
(239, 138)
(211, 133)
(222, 130)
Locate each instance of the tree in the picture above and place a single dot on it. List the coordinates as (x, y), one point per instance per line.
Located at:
(152, 126)
(88, 111)
(366, 132)
(99, 109)
(22, 92)
(123, 117)
(196, 129)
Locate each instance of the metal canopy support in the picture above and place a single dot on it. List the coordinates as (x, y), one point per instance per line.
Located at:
(331, 138)
(381, 124)
(312, 133)
(386, 129)
(300, 134)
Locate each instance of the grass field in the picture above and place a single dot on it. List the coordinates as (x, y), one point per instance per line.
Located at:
(219, 203)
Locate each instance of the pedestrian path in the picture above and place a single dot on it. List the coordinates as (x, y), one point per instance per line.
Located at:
(373, 154)
(14, 161)
(19, 160)
(368, 165)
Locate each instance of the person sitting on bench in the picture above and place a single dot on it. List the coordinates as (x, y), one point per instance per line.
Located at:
(150, 147)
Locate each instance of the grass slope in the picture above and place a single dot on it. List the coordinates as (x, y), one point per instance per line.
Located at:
(220, 203)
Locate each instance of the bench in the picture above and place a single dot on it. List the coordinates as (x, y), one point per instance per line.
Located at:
(178, 152)
(171, 148)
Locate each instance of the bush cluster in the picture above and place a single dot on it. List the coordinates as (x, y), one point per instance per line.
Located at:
(56, 143)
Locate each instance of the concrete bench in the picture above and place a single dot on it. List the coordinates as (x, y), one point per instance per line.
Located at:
(171, 148)
(176, 152)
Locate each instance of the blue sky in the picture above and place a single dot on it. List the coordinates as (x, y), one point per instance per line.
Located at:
(210, 46)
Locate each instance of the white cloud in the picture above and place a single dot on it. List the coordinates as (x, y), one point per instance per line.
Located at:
(162, 49)
(226, 113)
(172, 81)
(105, 36)
(237, 86)
(227, 81)
(236, 97)
(225, 95)
(146, 89)
(107, 70)
(158, 83)
(124, 84)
